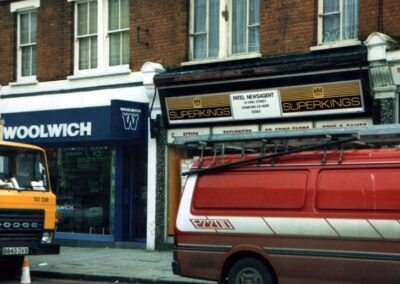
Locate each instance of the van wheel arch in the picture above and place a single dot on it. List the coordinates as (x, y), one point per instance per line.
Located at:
(241, 255)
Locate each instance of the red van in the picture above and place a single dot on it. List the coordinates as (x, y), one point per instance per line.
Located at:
(308, 217)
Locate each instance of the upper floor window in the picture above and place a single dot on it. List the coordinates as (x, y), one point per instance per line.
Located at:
(222, 28)
(245, 26)
(87, 34)
(26, 16)
(101, 35)
(118, 32)
(338, 20)
(26, 49)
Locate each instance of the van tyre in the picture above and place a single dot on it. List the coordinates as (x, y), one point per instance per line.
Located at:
(249, 270)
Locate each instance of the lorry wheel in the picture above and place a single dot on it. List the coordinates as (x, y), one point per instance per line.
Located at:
(249, 270)
(13, 266)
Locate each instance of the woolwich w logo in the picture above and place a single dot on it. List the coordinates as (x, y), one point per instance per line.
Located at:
(130, 120)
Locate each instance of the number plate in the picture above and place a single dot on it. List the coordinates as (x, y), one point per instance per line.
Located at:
(15, 250)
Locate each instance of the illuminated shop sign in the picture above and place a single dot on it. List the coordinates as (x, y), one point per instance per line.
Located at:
(258, 104)
(119, 120)
(196, 108)
(298, 101)
(326, 98)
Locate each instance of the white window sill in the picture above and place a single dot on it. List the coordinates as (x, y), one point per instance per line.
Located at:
(336, 44)
(23, 83)
(224, 59)
(99, 74)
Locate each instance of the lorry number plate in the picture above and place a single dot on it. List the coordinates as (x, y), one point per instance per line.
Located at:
(15, 250)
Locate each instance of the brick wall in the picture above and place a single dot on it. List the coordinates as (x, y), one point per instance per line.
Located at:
(6, 44)
(55, 32)
(167, 22)
(368, 15)
(286, 26)
(391, 18)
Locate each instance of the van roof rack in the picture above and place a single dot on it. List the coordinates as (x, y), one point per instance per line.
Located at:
(273, 144)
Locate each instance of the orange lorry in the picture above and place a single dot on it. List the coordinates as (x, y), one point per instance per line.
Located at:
(27, 205)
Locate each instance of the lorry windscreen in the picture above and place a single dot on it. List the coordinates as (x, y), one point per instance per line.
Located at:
(22, 169)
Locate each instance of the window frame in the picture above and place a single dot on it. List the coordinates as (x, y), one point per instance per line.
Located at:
(76, 38)
(108, 32)
(20, 46)
(103, 42)
(88, 35)
(248, 27)
(340, 42)
(225, 35)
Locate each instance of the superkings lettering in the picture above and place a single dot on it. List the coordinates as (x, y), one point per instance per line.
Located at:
(200, 113)
(321, 104)
(48, 131)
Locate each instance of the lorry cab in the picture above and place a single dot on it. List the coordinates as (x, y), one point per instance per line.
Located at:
(301, 217)
(27, 205)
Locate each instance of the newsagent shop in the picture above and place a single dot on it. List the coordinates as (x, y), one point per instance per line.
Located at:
(97, 154)
(294, 92)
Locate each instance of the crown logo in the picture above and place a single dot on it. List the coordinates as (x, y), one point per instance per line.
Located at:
(197, 103)
(318, 92)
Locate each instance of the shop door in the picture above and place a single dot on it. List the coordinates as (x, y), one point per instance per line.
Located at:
(135, 195)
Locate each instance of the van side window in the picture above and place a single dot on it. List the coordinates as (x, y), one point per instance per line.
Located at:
(251, 190)
(359, 189)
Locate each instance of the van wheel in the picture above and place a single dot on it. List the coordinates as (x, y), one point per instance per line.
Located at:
(249, 270)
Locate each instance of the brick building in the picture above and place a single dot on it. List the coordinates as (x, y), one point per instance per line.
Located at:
(259, 66)
(77, 79)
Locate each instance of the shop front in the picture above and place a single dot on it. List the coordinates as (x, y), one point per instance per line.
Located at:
(288, 93)
(97, 157)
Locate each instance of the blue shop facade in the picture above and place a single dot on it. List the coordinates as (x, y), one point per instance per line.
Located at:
(97, 154)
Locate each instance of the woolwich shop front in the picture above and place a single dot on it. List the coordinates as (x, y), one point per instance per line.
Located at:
(96, 157)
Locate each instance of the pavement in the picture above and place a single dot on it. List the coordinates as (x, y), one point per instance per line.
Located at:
(108, 264)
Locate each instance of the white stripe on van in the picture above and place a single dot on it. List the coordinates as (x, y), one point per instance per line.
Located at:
(246, 225)
(357, 228)
(293, 226)
(389, 229)
(300, 226)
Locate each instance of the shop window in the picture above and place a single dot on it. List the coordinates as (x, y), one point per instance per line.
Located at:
(179, 160)
(338, 20)
(101, 35)
(223, 28)
(83, 181)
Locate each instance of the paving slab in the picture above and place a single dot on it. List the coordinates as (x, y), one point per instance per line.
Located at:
(108, 264)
